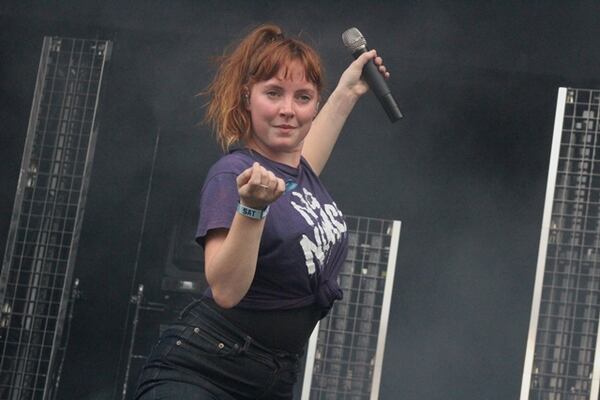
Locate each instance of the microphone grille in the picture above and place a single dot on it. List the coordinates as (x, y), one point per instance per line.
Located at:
(353, 39)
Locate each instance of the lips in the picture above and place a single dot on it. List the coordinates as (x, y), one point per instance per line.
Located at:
(285, 126)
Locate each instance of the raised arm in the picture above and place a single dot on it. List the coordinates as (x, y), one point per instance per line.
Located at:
(328, 124)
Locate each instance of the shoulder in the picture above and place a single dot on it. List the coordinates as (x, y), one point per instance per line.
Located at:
(306, 168)
(232, 163)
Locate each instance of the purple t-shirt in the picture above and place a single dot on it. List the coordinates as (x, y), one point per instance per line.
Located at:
(304, 241)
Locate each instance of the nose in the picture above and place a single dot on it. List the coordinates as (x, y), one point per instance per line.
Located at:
(287, 107)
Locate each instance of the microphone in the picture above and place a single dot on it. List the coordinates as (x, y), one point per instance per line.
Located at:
(356, 43)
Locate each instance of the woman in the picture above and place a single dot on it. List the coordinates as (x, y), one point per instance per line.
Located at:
(273, 238)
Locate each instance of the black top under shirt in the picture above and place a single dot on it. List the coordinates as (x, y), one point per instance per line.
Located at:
(287, 330)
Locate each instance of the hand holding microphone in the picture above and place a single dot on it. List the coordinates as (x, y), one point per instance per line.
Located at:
(357, 44)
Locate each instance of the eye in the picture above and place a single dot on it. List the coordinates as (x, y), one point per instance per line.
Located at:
(304, 98)
(273, 93)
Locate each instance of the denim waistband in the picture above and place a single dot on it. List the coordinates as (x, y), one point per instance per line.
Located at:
(205, 311)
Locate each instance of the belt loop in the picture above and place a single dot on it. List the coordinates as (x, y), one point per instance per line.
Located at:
(247, 342)
(187, 308)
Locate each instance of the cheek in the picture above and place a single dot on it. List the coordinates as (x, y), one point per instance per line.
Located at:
(306, 121)
(262, 110)
(308, 114)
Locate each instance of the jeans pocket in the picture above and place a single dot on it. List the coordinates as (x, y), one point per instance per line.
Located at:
(191, 343)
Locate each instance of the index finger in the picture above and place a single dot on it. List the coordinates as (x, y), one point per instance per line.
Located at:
(365, 57)
(245, 175)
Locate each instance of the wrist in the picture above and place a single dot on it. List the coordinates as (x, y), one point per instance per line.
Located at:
(345, 94)
(343, 98)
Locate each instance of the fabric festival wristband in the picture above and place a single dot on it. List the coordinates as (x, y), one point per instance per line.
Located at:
(252, 212)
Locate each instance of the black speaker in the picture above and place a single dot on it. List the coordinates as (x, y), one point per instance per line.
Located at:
(184, 264)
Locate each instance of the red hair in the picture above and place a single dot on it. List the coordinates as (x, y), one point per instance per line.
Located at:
(258, 57)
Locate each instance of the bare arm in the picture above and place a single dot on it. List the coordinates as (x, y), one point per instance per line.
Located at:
(327, 126)
(230, 256)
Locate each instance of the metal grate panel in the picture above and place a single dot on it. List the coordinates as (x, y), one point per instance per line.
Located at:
(345, 353)
(560, 364)
(49, 205)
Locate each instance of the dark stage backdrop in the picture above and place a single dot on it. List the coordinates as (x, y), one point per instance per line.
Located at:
(465, 170)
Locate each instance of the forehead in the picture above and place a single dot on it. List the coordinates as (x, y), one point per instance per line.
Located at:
(293, 72)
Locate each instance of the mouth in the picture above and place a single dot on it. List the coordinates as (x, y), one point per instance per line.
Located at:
(285, 126)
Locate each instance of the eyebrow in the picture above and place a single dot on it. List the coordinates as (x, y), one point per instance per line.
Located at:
(307, 89)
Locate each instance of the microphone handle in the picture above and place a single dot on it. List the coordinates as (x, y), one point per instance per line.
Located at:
(379, 86)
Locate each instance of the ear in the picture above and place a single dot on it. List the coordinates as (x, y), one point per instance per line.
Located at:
(246, 98)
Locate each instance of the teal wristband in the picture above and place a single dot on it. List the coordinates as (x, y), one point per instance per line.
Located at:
(252, 212)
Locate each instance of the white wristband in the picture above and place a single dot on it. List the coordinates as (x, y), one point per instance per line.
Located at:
(252, 212)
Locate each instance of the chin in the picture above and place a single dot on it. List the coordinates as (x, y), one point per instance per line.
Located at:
(284, 142)
(286, 148)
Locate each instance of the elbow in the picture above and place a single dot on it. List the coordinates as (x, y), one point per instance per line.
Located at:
(225, 300)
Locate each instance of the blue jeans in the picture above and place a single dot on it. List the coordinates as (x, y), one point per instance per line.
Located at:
(204, 356)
